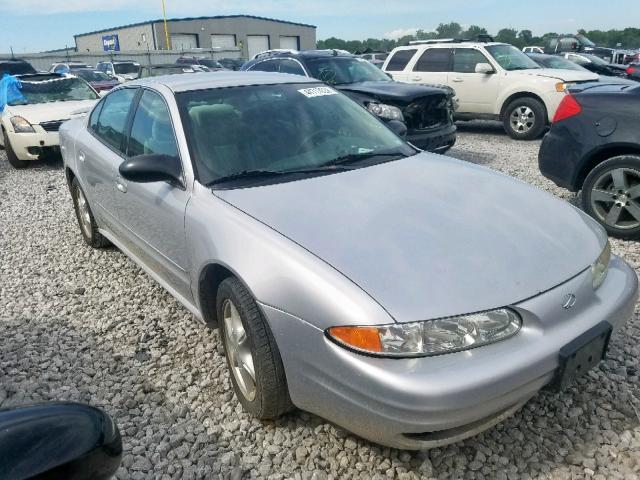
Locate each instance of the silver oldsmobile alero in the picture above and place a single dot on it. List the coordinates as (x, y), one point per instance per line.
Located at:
(411, 298)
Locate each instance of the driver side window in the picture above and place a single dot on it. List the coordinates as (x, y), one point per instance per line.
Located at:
(151, 131)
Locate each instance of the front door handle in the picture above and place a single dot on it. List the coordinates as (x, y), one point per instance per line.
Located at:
(416, 79)
(457, 80)
(81, 156)
(121, 186)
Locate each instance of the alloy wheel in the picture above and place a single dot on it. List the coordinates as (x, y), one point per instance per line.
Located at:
(522, 119)
(238, 350)
(615, 198)
(83, 213)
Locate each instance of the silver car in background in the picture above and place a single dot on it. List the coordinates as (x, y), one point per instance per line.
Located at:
(411, 298)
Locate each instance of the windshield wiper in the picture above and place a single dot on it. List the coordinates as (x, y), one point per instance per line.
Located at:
(357, 157)
(275, 173)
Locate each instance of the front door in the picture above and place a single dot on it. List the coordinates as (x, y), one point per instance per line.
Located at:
(153, 213)
(476, 92)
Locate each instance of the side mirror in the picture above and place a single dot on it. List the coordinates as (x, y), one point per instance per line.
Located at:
(484, 68)
(398, 127)
(58, 440)
(153, 168)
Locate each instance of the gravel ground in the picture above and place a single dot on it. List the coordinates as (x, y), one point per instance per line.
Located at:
(86, 325)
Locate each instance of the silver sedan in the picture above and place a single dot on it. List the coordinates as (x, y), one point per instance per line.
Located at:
(411, 298)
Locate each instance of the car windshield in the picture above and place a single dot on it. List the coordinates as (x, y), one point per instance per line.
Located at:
(585, 41)
(553, 61)
(345, 70)
(91, 76)
(283, 129)
(510, 58)
(56, 89)
(126, 68)
(594, 59)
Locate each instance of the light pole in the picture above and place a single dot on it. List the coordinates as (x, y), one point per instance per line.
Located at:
(166, 30)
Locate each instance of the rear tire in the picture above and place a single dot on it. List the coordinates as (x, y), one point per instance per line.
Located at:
(84, 215)
(525, 118)
(250, 348)
(611, 195)
(14, 161)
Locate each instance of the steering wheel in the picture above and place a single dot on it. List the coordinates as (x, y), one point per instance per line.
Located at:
(312, 139)
(327, 75)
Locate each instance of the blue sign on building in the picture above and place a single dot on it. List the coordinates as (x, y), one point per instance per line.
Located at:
(110, 43)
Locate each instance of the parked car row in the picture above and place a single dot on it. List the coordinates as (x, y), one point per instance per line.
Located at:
(404, 311)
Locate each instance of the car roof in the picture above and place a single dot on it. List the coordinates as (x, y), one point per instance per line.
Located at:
(449, 44)
(302, 54)
(224, 79)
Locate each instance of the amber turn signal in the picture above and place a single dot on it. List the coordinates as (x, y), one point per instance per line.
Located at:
(361, 338)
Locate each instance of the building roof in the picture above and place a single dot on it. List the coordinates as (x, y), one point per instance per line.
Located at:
(217, 17)
(206, 80)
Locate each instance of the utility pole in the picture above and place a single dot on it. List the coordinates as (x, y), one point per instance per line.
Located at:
(166, 30)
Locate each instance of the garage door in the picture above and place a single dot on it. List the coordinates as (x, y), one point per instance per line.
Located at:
(183, 41)
(223, 41)
(291, 43)
(257, 44)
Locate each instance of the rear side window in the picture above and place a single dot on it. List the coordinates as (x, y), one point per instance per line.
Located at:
(266, 66)
(400, 59)
(466, 59)
(112, 121)
(434, 60)
(151, 131)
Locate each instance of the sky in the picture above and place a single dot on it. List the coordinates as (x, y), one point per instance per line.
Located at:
(37, 25)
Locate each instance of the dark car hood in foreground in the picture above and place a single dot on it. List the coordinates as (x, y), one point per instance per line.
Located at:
(397, 92)
(430, 236)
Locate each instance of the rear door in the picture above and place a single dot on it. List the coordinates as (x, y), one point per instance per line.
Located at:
(432, 66)
(398, 63)
(100, 150)
(476, 92)
(153, 213)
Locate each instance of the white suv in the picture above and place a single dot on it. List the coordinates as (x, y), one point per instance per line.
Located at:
(492, 81)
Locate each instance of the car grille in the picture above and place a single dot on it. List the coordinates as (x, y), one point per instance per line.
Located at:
(428, 113)
(52, 126)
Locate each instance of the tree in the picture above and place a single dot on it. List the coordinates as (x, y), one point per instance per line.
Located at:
(473, 32)
(507, 35)
(525, 37)
(449, 30)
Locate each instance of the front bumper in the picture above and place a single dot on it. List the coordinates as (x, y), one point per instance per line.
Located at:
(427, 402)
(31, 146)
(438, 140)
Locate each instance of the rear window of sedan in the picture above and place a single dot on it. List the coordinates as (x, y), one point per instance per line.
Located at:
(56, 89)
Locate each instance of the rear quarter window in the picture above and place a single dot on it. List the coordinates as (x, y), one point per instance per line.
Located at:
(400, 59)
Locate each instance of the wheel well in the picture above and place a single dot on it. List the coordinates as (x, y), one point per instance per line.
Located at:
(600, 157)
(522, 95)
(210, 279)
(68, 173)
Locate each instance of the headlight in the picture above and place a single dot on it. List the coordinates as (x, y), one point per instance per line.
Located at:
(385, 111)
(563, 86)
(431, 337)
(20, 125)
(600, 267)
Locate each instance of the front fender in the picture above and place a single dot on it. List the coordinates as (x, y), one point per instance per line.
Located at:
(277, 271)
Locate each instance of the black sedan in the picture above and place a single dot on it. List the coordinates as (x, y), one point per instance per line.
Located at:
(597, 65)
(594, 145)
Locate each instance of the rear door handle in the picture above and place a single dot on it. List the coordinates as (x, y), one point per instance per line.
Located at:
(416, 79)
(457, 80)
(81, 156)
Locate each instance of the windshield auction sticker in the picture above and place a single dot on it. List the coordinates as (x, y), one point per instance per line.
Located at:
(317, 92)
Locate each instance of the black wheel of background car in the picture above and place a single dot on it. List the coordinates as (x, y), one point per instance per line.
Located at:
(252, 355)
(525, 118)
(611, 195)
(86, 222)
(14, 161)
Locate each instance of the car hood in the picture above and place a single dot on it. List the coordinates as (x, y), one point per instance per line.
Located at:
(559, 74)
(46, 112)
(429, 236)
(393, 91)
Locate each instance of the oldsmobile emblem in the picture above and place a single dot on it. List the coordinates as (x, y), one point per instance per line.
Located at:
(568, 301)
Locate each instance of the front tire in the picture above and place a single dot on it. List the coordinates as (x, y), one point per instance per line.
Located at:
(611, 195)
(252, 355)
(525, 118)
(14, 161)
(86, 221)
